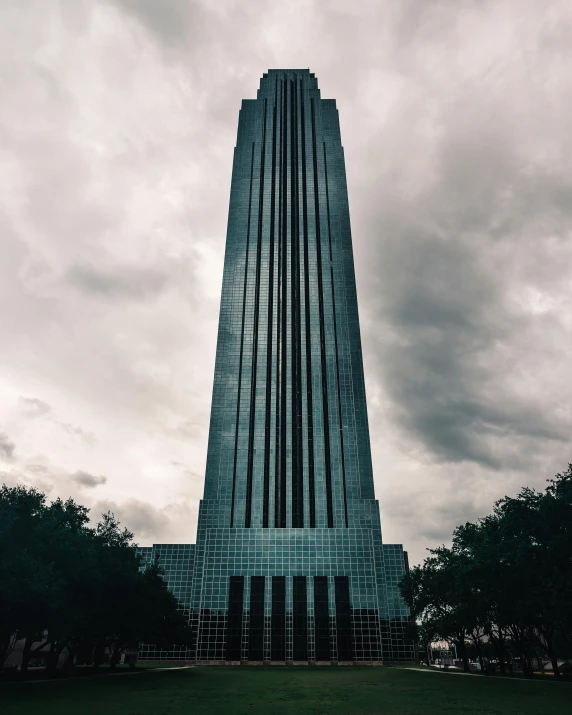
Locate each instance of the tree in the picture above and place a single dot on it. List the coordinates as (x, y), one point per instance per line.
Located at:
(67, 584)
(506, 580)
(431, 592)
(28, 581)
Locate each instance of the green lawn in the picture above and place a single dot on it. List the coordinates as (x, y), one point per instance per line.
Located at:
(280, 691)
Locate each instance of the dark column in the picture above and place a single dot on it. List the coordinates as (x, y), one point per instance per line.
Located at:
(270, 325)
(256, 626)
(278, 632)
(299, 619)
(234, 623)
(250, 470)
(241, 344)
(326, 412)
(307, 323)
(343, 618)
(321, 618)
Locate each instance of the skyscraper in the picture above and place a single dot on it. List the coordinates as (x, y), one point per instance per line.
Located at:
(289, 563)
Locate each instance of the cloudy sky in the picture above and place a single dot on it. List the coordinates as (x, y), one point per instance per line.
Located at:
(117, 125)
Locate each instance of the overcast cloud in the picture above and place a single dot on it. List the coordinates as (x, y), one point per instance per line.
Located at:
(117, 126)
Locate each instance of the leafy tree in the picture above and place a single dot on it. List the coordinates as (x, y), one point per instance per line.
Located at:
(431, 592)
(506, 581)
(70, 586)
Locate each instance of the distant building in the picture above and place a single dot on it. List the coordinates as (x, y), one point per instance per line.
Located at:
(289, 563)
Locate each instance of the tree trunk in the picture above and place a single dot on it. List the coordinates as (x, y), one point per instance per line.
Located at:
(68, 665)
(554, 660)
(26, 655)
(113, 658)
(54, 655)
(7, 643)
(115, 655)
(461, 647)
(498, 644)
(548, 646)
(480, 654)
(52, 663)
(98, 655)
(526, 663)
(479, 646)
(518, 638)
(504, 663)
(501, 651)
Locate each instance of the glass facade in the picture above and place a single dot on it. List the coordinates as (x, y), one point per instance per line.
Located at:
(289, 563)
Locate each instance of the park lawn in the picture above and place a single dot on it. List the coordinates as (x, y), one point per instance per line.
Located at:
(283, 690)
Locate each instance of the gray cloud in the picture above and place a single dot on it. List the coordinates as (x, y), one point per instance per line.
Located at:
(464, 225)
(35, 407)
(118, 282)
(436, 518)
(191, 429)
(138, 516)
(118, 123)
(37, 468)
(168, 524)
(76, 431)
(173, 21)
(42, 481)
(7, 447)
(445, 319)
(85, 479)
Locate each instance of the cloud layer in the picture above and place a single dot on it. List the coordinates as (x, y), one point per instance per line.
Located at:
(117, 127)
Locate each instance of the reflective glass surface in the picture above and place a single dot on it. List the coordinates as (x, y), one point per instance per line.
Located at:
(289, 563)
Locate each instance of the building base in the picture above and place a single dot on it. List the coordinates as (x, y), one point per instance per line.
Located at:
(336, 601)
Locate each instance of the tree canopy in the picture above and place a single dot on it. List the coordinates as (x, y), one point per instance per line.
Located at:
(505, 582)
(69, 585)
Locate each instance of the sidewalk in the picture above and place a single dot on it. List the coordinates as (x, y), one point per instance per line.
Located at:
(462, 672)
(116, 674)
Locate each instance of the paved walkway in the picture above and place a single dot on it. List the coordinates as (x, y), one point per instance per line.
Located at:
(115, 674)
(433, 670)
(462, 672)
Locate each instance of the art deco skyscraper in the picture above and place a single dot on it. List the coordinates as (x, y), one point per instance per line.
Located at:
(289, 562)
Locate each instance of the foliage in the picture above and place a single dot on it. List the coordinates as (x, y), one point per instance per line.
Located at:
(505, 582)
(72, 586)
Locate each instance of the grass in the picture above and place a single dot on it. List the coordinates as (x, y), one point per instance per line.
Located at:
(281, 691)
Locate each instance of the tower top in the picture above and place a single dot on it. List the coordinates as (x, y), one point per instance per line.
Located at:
(272, 75)
(305, 71)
